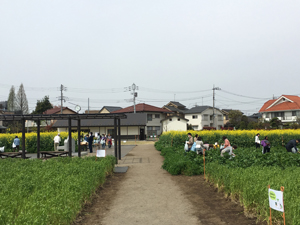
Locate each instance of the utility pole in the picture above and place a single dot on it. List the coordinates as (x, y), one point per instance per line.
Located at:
(62, 97)
(132, 88)
(214, 88)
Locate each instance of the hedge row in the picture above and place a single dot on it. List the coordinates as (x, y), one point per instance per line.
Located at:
(46, 141)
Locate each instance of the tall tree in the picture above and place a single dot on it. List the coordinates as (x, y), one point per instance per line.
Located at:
(11, 102)
(42, 105)
(235, 117)
(21, 100)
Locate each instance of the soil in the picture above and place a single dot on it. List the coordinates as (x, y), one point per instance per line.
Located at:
(147, 194)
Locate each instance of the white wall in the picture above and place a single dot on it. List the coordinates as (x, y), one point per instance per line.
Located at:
(174, 124)
(202, 123)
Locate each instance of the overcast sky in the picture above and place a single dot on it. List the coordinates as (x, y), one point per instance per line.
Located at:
(169, 49)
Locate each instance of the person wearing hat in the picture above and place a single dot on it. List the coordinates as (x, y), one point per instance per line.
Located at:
(56, 141)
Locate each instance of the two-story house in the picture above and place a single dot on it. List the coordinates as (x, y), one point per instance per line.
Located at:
(286, 108)
(154, 117)
(205, 116)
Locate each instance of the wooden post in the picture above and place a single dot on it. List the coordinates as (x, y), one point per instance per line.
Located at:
(204, 161)
(270, 218)
(78, 134)
(38, 137)
(119, 138)
(172, 142)
(70, 137)
(23, 138)
(115, 139)
(283, 216)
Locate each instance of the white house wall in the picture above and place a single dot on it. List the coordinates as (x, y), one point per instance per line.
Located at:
(202, 123)
(174, 124)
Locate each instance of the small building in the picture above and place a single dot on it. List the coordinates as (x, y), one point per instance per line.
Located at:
(205, 116)
(286, 108)
(174, 122)
(109, 109)
(154, 116)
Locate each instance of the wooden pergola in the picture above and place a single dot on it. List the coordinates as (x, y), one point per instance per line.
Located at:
(76, 117)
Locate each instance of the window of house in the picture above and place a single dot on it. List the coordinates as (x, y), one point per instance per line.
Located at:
(211, 117)
(178, 119)
(149, 128)
(157, 116)
(279, 114)
(149, 117)
(220, 118)
(195, 127)
(205, 117)
(267, 115)
(156, 128)
(195, 116)
(294, 113)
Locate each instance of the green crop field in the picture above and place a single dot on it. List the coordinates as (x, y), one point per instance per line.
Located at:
(245, 177)
(49, 192)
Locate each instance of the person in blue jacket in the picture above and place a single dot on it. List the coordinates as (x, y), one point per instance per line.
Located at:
(16, 143)
(291, 146)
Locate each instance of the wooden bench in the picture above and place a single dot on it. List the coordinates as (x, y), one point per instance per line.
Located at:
(50, 154)
(4, 155)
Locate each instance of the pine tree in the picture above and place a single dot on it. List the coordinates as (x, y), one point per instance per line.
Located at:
(21, 100)
(42, 106)
(11, 102)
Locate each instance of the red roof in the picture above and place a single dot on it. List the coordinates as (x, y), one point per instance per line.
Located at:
(293, 104)
(142, 107)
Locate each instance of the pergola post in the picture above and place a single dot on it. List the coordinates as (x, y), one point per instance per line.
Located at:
(70, 136)
(78, 134)
(115, 139)
(38, 122)
(119, 138)
(23, 138)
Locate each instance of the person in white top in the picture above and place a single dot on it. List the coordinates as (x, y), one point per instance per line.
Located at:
(56, 141)
(257, 141)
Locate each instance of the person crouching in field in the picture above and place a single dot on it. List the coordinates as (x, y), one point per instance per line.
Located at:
(200, 146)
(291, 146)
(266, 145)
(190, 142)
(227, 147)
(257, 141)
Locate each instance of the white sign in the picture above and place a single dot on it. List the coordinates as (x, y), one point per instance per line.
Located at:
(276, 200)
(100, 153)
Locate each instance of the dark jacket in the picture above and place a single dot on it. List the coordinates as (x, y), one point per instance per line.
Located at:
(291, 144)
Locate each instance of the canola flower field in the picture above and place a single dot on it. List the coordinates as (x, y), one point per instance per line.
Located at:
(245, 177)
(46, 141)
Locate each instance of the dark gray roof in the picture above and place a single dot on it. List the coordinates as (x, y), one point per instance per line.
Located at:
(2, 127)
(111, 108)
(174, 109)
(178, 104)
(198, 109)
(137, 119)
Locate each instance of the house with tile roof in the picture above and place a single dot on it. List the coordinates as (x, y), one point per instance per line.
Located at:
(130, 127)
(154, 117)
(205, 116)
(176, 107)
(109, 109)
(286, 108)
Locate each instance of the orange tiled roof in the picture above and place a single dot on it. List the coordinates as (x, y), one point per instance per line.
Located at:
(287, 105)
(142, 107)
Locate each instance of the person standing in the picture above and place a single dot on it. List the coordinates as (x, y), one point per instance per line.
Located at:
(16, 143)
(291, 146)
(257, 141)
(109, 141)
(90, 140)
(266, 145)
(56, 141)
(103, 141)
(190, 142)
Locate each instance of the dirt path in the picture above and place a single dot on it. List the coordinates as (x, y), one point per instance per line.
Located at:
(147, 194)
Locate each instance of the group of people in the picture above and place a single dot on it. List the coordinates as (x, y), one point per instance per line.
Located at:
(196, 144)
(89, 138)
(102, 139)
(291, 146)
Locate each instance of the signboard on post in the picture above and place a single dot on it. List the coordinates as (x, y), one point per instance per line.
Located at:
(101, 153)
(276, 200)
